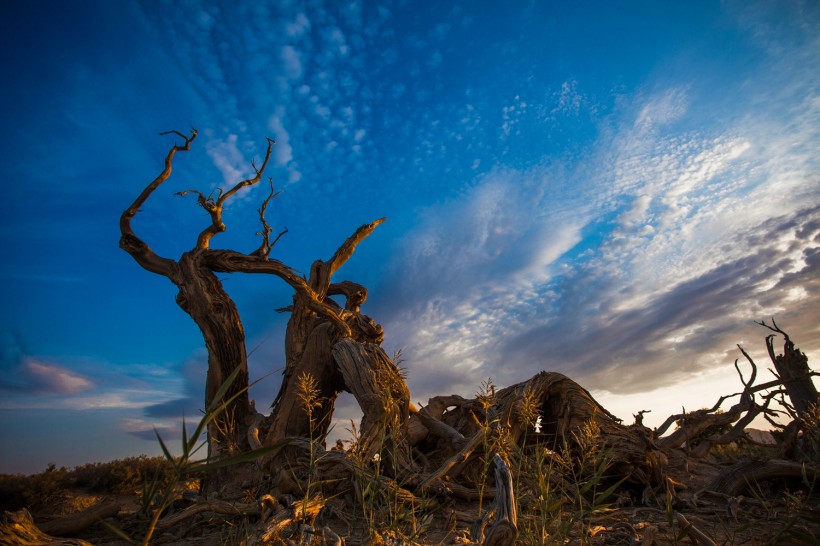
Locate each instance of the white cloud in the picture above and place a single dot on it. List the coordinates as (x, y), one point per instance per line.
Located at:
(55, 379)
(282, 151)
(503, 283)
(569, 100)
(228, 159)
(292, 61)
(662, 108)
(298, 26)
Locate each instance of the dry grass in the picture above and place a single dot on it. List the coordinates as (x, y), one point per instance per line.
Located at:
(563, 493)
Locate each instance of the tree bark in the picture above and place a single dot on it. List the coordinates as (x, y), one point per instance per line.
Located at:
(18, 529)
(793, 368)
(382, 394)
(203, 297)
(739, 478)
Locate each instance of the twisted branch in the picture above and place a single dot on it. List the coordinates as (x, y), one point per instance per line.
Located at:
(264, 250)
(129, 241)
(214, 206)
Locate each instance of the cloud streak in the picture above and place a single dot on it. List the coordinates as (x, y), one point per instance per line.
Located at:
(645, 278)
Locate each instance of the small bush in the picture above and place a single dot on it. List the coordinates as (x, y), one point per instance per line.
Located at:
(40, 490)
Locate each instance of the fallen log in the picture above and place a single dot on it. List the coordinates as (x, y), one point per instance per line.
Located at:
(740, 477)
(74, 524)
(565, 408)
(19, 529)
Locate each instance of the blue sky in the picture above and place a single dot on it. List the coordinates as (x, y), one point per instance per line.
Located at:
(612, 190)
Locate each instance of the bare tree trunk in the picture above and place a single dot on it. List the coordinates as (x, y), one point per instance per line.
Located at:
(202, 296)
(793, 368)
(308, 312)
(290, 420)
(382, 394)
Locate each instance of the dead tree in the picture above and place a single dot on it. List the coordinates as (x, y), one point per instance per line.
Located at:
(793, 371)
(340, 349)
(417, 453)
(315, 329)
(700, 430)
(453, 431)
(202, 296)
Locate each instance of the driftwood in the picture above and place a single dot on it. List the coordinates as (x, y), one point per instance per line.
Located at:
(383, 397)
(703, 429)
(741, 477)
(214, 506)
(793, 371)
(18, 529)
(697, 536)
(76, 523)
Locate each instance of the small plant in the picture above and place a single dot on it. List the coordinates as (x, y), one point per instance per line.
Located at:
(561, 491)
(308, 393)
(157, 496)
(486, 398)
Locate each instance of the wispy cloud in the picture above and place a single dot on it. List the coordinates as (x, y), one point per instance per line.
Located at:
(34, 382)
(228, 159)
(51, 378)
(148, 430)
(661, 109)
(648, 271)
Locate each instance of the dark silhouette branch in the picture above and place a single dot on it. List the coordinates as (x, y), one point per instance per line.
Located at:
(129, 241)
(264, 250)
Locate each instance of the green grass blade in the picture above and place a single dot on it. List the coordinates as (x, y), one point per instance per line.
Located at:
(250, 456)
(117, 531)
(164, 448)
(185, 444)
(605, 494)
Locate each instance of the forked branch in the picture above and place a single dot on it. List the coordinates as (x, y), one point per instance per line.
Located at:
(321, 272)
(129, 241)
(264, 250)
(214, 206)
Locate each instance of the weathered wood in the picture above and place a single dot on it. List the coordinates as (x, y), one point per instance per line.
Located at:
(290, 420)
(18, 529)
(738, 478)
(443, 431)
(504, 530)
(302, 319)
(73, 524)
(382, 394)
(698, 537)
(434, 478)
(793, 368)
(214, 506)
(565, 409)
(703, 429)
(202, 297)
(301, 512)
